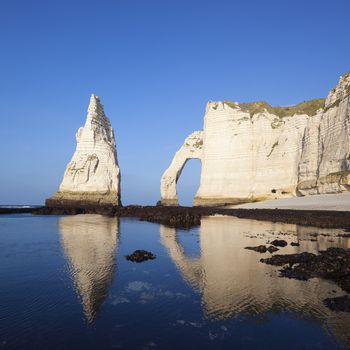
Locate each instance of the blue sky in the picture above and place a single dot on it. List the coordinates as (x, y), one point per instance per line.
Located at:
(154, 65)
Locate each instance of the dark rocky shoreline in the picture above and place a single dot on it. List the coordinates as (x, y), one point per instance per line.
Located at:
(186, 217)
(331, 264)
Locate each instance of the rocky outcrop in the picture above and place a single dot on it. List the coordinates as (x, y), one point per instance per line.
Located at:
(253, 151)
(324, 166)
(191, 149)
(93, 175)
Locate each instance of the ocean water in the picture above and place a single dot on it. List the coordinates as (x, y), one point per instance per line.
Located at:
(19, 206)
(65, 284)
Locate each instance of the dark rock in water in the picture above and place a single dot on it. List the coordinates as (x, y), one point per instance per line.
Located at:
(344, 235)
(279, 243)
(295, 244)
(259, 248)
(344, 284)
(271, 249)
(140, 256)
(339, 303)
(331, 264)
(291, 259)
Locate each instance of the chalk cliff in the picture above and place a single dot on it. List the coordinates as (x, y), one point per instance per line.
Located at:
(253, 151)
(93, 175)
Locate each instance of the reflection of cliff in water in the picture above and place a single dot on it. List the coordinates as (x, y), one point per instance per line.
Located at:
(89, 243)
(234, 283)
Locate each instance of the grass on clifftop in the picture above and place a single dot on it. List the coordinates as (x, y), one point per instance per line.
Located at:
(307, 107)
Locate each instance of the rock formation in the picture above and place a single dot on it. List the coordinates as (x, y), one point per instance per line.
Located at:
(191, 149)
(92, 176)
(253, 151)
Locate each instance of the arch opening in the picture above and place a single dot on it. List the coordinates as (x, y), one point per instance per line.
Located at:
(188, 181)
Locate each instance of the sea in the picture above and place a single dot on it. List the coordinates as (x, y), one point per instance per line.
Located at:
(65, 283)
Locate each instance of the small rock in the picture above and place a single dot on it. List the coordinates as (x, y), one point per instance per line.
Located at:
(279, 243)
(338, 303)
(271, 249)
(344, 235)
(259, 249)
(140, 256)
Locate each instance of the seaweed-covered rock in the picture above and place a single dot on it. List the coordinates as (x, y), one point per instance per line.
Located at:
(332, 264)
(259, 248)
(339, 303)
(291, 259)
(271, 249)
(279, 243)
(140, 256)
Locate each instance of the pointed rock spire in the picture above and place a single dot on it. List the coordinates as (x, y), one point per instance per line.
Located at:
(93, 175)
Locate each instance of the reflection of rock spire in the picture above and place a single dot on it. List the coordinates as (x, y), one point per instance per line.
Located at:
(89, 242)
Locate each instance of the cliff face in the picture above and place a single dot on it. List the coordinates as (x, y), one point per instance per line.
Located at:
(92, 176)
(253, 151)
(191, 149)
(324, 166)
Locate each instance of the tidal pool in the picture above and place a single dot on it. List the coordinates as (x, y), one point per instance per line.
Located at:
(65, 284)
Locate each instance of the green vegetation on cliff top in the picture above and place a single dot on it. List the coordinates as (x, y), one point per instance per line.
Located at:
(307, 107)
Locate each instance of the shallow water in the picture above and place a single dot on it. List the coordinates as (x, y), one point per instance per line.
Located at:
(65, 283)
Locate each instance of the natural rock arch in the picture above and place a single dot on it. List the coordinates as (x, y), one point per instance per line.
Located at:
(191, 149)
(254, 151)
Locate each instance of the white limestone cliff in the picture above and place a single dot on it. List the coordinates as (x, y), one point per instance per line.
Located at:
(93, 175)
(253, 151)
(191, 149)
(325, 162)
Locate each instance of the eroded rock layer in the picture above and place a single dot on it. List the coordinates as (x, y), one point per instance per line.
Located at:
(253, 151)
(92, 176)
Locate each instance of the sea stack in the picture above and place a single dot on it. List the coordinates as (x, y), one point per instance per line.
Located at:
(92, 177)
(254, 151)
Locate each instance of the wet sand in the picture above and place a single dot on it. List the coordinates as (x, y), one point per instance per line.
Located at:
(338, 202)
